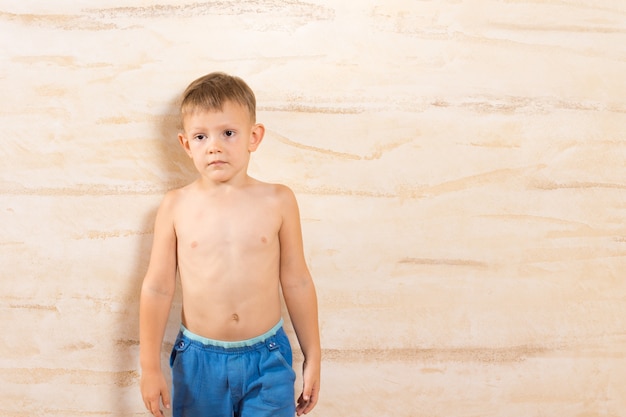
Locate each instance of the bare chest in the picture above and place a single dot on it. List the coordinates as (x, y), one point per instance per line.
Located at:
(222, 227)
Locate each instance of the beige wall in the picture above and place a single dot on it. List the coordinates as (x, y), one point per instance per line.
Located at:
(460, 167)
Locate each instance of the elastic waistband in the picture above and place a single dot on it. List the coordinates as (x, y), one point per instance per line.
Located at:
(236, 344)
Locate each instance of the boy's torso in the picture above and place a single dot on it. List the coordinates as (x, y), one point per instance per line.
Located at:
(228, 259)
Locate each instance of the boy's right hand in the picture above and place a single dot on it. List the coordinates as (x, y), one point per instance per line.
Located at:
(153, 389)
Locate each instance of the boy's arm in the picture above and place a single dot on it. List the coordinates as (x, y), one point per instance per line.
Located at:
(301, 300)
(157, 293)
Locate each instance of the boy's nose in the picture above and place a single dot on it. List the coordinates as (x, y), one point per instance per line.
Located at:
(213, 146)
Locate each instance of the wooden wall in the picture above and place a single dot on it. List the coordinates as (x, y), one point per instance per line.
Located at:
(460, 167)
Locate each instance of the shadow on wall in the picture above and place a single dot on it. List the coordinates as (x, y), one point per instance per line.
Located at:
(176, 170)
(173, 161)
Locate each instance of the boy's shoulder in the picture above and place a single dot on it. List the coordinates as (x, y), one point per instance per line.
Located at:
(275, 190)
(175, 196)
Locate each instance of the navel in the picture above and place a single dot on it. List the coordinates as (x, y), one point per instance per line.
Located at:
(235, 317)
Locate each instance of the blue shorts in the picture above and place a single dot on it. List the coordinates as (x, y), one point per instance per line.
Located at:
(249, 378)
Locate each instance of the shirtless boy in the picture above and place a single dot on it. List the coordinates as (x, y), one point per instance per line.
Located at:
(235, 242)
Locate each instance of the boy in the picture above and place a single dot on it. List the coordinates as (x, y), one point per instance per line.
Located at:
(235, 242)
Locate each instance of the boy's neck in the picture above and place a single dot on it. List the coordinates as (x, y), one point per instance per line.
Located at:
(234, 183)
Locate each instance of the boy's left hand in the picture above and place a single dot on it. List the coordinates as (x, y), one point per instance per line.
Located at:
(311, 388)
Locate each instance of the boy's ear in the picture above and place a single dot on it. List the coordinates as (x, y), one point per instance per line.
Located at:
(184, 143)
(258, 131)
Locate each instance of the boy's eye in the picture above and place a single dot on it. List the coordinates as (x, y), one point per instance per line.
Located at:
(200, 137)
(229, 133)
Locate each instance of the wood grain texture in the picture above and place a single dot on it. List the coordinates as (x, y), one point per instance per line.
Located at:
(460, 168)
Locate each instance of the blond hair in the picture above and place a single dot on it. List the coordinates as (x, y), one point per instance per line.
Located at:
(210, 92)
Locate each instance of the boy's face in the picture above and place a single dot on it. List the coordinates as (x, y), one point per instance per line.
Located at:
(220, 142)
